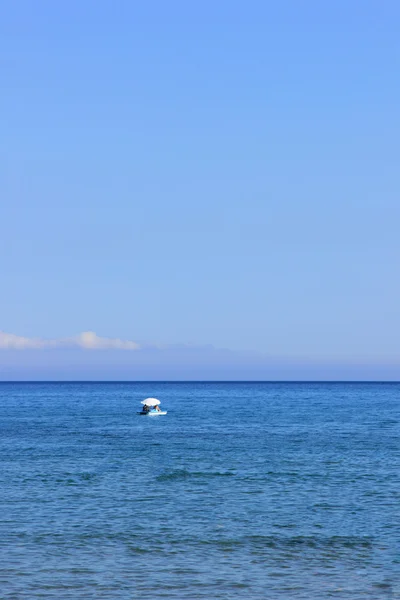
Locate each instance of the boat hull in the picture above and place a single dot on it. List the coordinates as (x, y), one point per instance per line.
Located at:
(152, 413)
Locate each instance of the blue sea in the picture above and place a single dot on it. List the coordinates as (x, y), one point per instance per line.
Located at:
(243, 490)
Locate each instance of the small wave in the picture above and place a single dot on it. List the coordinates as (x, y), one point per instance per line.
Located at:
(60, 478)
(181, 474)
(87, 476)
(140, 550)
(259, 543)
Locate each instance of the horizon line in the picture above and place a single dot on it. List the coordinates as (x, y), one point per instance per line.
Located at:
(185, 381)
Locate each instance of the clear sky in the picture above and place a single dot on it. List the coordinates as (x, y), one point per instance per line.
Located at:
(219, 173)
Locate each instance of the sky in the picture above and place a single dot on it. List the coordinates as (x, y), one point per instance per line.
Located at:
(213, 184)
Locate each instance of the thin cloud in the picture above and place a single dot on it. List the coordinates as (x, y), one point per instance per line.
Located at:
(87, 340)
(90, 341)
(10, 341)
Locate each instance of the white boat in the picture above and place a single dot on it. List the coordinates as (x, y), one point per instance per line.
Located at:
(151, 408)
(152, 412)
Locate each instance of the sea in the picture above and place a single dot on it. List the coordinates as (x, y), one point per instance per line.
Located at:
(243, 490)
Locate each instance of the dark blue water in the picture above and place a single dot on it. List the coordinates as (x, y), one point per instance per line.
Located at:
(294, 496)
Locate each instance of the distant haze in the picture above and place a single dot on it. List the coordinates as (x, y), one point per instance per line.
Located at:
(99, 359)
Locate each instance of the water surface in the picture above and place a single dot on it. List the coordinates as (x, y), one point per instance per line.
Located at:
(254, 491)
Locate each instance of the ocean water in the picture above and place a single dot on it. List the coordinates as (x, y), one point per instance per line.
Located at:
(243, 490)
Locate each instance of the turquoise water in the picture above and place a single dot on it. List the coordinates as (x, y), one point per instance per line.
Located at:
(294, 496)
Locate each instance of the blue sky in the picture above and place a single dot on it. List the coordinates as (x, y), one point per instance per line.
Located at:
(204, 173)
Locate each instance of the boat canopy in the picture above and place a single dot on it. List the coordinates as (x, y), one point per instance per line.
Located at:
(150, 402)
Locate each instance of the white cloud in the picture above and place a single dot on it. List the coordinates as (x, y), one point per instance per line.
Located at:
(91, 341)
(87, 340)
(17, 342)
